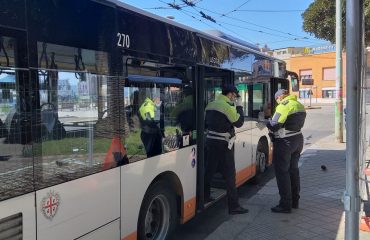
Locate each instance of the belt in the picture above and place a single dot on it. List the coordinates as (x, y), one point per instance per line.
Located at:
(219, 136)
(222, 136)
(283, 133)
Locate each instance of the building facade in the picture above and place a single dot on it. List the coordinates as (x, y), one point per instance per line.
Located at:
(316, 67)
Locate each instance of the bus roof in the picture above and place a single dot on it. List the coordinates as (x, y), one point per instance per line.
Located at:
(228, 40)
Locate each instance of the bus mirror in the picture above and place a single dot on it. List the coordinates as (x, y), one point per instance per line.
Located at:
(295, 84)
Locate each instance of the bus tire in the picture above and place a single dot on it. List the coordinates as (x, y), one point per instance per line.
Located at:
(262, 158)
(261, 162)
(158, 213)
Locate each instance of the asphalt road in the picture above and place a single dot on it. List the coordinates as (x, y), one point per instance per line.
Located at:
(319, 124)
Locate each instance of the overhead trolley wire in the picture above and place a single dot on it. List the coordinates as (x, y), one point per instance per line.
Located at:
(210, 18)
(225, 14)
(272, 11)
(304, 39)
(188, 13)
(257, 25)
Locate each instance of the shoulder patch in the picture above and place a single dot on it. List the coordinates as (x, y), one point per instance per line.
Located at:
(285, 102)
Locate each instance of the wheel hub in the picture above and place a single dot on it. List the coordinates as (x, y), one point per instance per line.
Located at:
(157, 218)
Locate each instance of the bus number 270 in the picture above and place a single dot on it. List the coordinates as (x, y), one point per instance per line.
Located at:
(123, 40)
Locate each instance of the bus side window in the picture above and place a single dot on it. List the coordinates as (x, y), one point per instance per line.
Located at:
(79, 132)
(260, 100)
(244, 95)
(180, 120)
(158, 108)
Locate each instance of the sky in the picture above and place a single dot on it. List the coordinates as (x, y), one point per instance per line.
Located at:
(277, 23)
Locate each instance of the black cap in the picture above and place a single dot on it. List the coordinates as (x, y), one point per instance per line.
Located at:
(230, 88)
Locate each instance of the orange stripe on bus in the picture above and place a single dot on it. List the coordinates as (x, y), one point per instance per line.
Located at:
(188, 210)
(243, 175)
(132, 236)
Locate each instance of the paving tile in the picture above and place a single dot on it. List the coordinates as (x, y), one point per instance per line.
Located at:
(320, 215)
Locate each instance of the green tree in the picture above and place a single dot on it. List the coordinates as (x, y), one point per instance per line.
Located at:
(319, 20)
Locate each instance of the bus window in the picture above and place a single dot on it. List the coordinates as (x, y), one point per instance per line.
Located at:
(244, 94)
(295, 84)
(16, 160)
(260, 100)
(77, 114)
(159, 109)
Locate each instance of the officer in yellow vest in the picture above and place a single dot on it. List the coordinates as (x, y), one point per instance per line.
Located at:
(221, 117)
(285, 131)
(151, 135)
(184, 115)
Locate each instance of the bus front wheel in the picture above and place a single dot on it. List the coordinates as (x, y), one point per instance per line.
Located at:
(157, 218)
(261, 162)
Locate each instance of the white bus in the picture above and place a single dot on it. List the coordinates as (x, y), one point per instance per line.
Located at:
(73, 75)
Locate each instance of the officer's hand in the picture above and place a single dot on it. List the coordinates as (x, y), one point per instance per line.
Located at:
(239, 102)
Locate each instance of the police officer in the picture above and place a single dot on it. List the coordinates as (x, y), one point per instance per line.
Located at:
(184, 111)
(151, 135)
(285, 131)
(184, 115)
(221, 117)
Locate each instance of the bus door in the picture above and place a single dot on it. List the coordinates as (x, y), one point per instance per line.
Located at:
(17, 196)
(213, 80)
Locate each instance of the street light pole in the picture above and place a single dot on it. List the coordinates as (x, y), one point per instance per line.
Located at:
(339, 89)
(354, 60)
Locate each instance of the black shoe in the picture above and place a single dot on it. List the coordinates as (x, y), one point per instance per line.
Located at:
(295, 205)
(238, 210)
(280, 209)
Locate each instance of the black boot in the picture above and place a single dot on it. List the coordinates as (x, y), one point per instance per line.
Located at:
(281, 209)
(295, 204)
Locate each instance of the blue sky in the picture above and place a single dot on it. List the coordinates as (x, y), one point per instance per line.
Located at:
(277, 23)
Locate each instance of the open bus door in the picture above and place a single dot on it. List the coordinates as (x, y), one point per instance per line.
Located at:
(209, 83)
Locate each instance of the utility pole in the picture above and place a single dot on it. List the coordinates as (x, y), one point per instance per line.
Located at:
(339, 88)
(354, 48)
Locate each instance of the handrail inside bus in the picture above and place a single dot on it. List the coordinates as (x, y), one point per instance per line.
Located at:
(151, 79)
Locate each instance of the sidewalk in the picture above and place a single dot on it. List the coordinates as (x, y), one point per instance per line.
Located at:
(320, 215)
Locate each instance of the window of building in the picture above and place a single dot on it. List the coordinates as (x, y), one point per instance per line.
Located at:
(328, 74)
(329, 93)
(305, 74)
(306, 77)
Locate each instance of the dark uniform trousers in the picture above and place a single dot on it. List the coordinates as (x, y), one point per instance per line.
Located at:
(285, 160)
(219, 156)
(152, 143)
